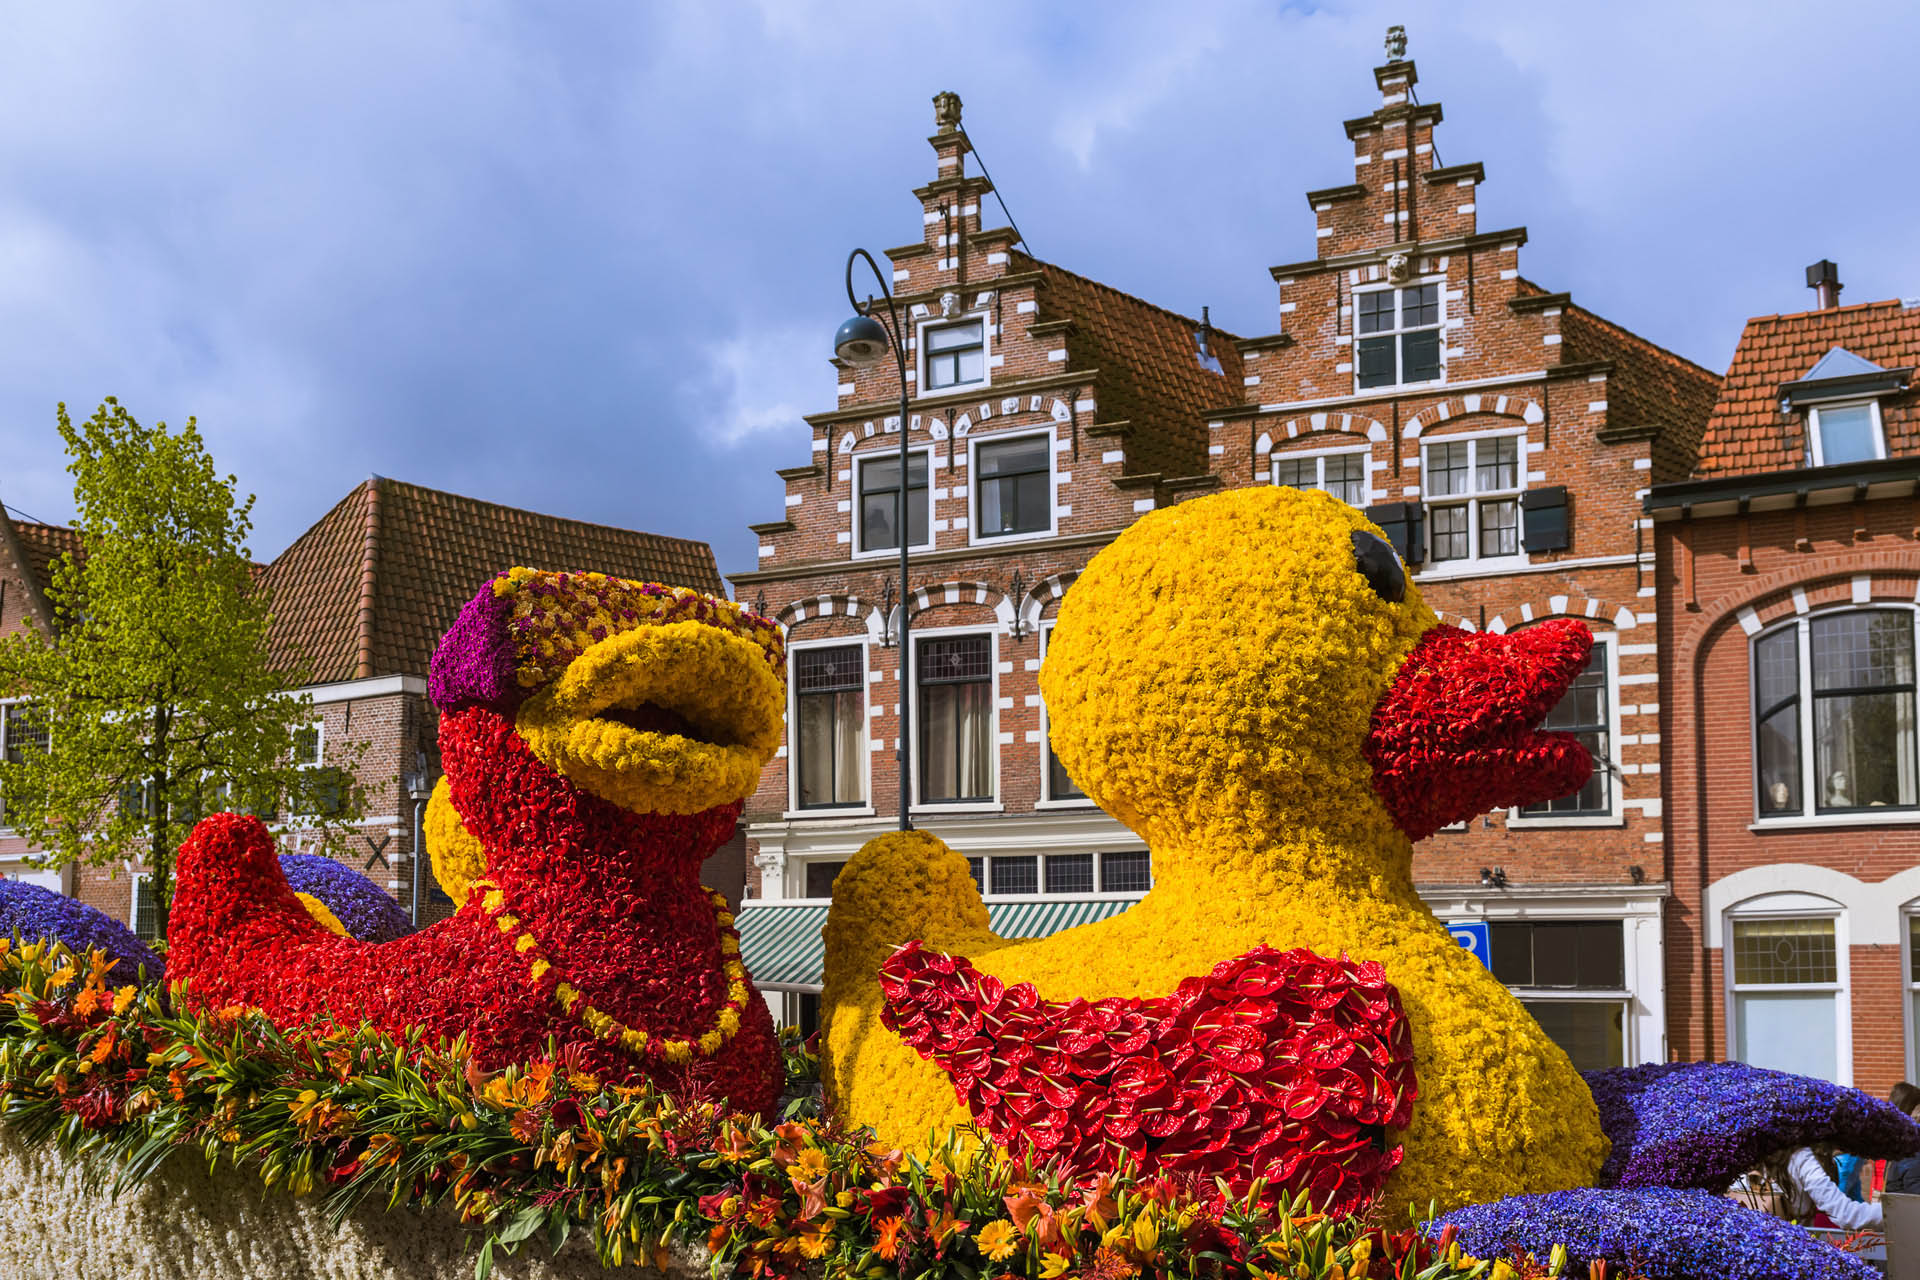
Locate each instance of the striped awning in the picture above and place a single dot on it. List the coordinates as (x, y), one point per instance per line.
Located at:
(783, 951)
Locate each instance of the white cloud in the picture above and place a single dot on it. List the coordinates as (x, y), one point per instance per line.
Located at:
(759, 383)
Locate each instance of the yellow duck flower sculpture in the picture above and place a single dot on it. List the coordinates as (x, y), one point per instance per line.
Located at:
(1250, 683)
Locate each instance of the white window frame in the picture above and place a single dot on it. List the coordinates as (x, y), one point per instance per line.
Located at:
(1909, 914)
(864, 809)
(1810, 815)
(319, 727)
(974, 442)
(1793, 906)
(1474, 562)
(987, 335)
(1815, 447)
(1616, 812)
(1047, 799)
(1320, 456)
(1621, 997)
(1354, 331)
(1100, 890)
(139, 882)
(994, 803)
(860, 461)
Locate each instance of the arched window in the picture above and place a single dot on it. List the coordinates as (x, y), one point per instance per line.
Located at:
(1786, 970)
(1834, 714)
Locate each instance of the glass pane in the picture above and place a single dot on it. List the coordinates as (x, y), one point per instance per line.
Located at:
(1419, 305)
(974, 869)
(1847, 435)
(1014, 504)
(1776, 668)
(1913, 949)
(830, 741)
(953, 336)
(820, 878)
(1787, 1032)
(1375, 310)
(1129, 871)
(306, 744)
(1863, 750)
(955, 658)
(1346, 477)
(1775, 952)
(1446, 469)
(1500, 528)
(956, 723)
(1374, 359)
(1070, 873)
(971, 365)
(916, 516)
(1420, 356)
(1868, 648)
(1014, 457)
(817, 670)
(1296, 473)
(1016, 875)
(1593, 1032)
(1512, 946)
(1497, 464)
(1449, 525)
(1059, 785)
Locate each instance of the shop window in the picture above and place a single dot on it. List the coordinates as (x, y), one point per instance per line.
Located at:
(955, 677)
(956, 355)
(1344, 474)
(878, 509)
(1787, 993)
(1013, 486)
(1062, 874)
(1550, 964)
(1472, 491)
(820, 876)
(830, 726)
(1013, 876)
(1842, 683)
(1070, 873)
(1584, 712)
(1127, 871)
(1398, 336)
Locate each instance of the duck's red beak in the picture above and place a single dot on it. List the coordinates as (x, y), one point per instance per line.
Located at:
(1458, 733)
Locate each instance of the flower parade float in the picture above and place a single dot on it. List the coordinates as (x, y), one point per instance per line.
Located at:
(598, 738)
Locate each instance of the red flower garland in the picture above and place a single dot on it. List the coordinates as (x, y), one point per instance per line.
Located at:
(612, 897)
(1281, 1065)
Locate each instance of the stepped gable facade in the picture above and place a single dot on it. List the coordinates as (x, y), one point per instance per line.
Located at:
(1789, 597)
(361, 600)
(1502, 434)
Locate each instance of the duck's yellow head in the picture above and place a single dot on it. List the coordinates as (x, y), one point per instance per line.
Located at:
(1257, 660)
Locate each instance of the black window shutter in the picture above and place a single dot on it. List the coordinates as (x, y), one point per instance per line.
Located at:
(1402, 523)
(1545, 522)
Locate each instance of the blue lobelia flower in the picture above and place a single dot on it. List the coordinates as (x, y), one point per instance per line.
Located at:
(33, 914)
(364, 909)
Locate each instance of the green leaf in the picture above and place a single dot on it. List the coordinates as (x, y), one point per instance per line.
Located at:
(524, 1224)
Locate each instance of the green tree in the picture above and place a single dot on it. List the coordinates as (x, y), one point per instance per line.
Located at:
(153, 701)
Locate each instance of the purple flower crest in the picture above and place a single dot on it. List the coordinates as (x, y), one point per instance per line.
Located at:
(475, 660)
(33, 914)
(364, 910)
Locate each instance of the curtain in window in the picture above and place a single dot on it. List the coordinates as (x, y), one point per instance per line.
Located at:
(957, 721)
(830, 741)
(1863, 709)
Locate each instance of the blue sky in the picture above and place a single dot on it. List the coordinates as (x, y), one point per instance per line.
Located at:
(586, 258)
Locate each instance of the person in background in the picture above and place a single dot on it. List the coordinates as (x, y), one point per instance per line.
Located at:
(1903, 1176)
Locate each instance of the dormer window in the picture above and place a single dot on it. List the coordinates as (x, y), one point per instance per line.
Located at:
(956, 354)
(1839, 433)
(1397, 340)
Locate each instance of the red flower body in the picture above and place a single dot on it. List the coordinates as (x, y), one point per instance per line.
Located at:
(612, 899)
(1282, 1065)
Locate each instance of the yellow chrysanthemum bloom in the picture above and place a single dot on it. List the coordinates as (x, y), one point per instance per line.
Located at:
(1210, 682)
(457, 855)
(322, 913)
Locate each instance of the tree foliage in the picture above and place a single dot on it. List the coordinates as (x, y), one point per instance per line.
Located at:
(154, 701)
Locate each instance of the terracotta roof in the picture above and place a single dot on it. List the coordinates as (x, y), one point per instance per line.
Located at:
(1747, 432)
(1649, 387)
(43, 544)
(370, 588)
(1150, 372)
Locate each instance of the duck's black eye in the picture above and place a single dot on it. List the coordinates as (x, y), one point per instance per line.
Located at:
(1379, 566)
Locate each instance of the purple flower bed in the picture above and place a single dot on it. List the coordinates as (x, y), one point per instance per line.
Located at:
(1703, 1124)
(1658, 1232)
(362, 907)
(33, 914)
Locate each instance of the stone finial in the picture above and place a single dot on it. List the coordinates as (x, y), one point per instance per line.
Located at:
(1396, 43)
(946, 111)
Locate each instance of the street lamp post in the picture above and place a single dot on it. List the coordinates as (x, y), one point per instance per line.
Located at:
(861, 342)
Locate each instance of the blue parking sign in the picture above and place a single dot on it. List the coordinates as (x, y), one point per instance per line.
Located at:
(1475, 937)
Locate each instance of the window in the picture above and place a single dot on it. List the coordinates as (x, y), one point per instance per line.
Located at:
(1473, 498)
(1913, 989)
(830, 726)
(879, 505)
(1852, 698)
(1583, 711)
(1550, 965)
(1844, 433)
(1060, 786)
(1344, 474)
(1786, 977)
(21, 731)
(1398, 339)
(956, 354)
(955, 678)
(1013, 486)
(144, 914)
(307, 745)
(820, 876)
(1063, 874)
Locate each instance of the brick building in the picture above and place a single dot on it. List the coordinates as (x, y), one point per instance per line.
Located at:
(1503, 435)
(1787, 602)
(361, 600)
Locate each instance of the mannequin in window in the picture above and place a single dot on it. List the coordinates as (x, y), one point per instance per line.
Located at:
(1779, 796)
(1839, 790)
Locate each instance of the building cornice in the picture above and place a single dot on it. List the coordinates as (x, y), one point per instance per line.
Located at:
(1333, 195)
(933, 404)
(1438, 392)
(1455, 172)
(353, 690)
(1684, 497)
(1532, 304)
(820, 568)
(1364, 257)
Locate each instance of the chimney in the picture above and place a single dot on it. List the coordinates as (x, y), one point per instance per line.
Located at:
(1824, 278)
